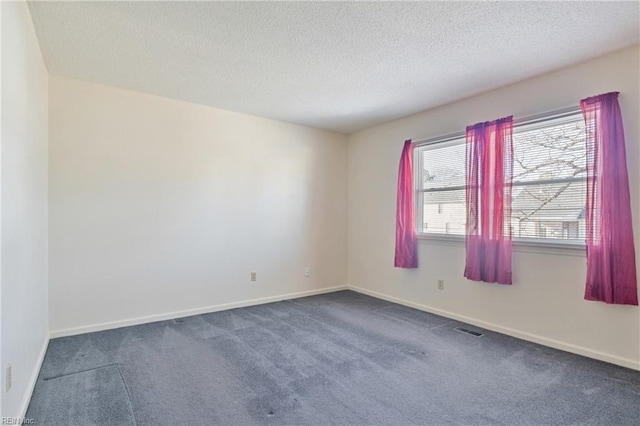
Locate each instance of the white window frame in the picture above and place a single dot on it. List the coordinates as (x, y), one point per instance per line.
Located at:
(543, 245)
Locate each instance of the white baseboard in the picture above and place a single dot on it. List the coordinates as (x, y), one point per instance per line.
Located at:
(33, 379)
(190, 312)
(568, 347)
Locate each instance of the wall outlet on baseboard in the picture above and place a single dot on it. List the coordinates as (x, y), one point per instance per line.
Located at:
(440, 284)
(307, 271)
(7, 378)
(254, 276)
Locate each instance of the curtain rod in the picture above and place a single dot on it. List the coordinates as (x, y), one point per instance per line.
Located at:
(530, 119)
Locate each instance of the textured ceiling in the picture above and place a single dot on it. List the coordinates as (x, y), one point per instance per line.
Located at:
(338, 66)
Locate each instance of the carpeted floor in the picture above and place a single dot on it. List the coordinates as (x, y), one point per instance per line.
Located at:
(340, 358)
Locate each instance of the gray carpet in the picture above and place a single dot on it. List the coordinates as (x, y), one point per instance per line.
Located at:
(340, 358)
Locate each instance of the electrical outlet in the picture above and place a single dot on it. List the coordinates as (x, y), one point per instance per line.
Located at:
(8, 378)
(254, 276)
(440, 284)
(307, 271)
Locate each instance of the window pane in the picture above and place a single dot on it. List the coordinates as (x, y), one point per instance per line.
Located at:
(549, 174)
(443, 166)
(549, 150)
(549, 211)
(444, 212)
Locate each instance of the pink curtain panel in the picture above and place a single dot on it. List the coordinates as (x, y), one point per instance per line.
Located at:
(611, 259)
(406, 244)
(489, 174)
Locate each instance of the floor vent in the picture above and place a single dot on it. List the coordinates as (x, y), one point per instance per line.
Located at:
(471, 332)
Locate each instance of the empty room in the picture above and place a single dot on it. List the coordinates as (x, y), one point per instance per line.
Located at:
(319, 213)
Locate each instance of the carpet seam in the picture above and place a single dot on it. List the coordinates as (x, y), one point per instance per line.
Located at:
(79, 372)
(126, 387)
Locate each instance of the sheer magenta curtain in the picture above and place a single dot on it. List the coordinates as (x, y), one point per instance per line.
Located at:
(489, 173)
(406, 245)
(611, 265)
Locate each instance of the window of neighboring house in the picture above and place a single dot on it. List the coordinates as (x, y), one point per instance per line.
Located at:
(549, 181)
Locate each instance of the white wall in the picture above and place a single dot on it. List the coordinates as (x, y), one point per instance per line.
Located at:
(545, 303)
(161, 206)
(24, 327)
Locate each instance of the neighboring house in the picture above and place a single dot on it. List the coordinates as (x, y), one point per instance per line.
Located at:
(538, 211)
(549, 211)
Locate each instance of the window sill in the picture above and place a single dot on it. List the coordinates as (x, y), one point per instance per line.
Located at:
(561, 248)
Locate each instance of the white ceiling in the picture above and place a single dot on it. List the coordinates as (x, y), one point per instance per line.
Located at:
(338, 66)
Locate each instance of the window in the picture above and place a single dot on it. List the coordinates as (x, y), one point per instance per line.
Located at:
(549, 181)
